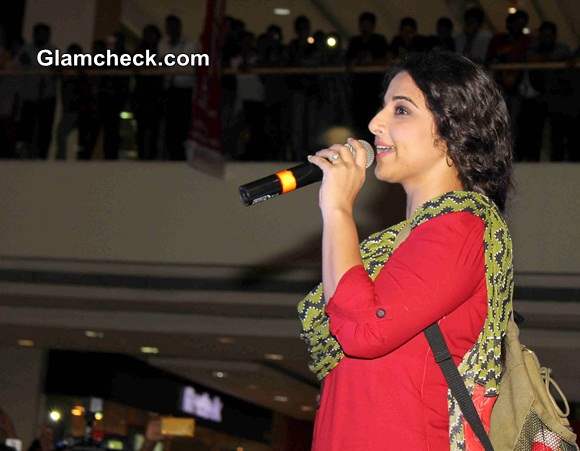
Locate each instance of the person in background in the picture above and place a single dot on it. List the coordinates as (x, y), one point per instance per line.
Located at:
(250, 100)
(38, 94)
(443, 40)
(511, 47)
(513, 44)
(234, 28)
(408, 40)
(366, 49)
(73, 88)
(148, 99)
(100, 110)
(8, 99)
(550, 97)
(271, 49)
(178, 90)
(474, 41)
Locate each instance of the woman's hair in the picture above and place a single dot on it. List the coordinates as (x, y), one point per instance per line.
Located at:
(471, 118)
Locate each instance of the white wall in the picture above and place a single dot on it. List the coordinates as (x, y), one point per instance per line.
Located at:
(169, 213)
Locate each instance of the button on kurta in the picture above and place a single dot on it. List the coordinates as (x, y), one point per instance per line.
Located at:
(380, 313)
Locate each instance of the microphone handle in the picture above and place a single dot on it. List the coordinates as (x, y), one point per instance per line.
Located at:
(280, 183)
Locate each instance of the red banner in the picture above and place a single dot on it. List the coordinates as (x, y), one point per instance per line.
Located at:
(204, 147)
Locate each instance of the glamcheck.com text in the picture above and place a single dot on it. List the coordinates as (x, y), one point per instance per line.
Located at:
(54, 58)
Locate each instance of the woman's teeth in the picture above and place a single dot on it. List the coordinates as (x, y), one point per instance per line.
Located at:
(385, 148)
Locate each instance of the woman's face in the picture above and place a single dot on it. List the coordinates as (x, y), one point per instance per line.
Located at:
(406, 123)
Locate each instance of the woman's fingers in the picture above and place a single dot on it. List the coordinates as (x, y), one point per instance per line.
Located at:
(360, 153)
(329, 154)
(344, 153)
(320, 161)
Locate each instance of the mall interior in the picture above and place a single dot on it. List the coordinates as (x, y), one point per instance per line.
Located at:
(138, 294)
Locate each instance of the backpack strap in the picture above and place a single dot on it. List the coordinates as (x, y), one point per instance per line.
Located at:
(455, 383)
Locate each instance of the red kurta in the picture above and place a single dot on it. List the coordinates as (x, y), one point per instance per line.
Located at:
(388, 393)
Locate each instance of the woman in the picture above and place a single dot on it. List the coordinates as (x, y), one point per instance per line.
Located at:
(443, 133)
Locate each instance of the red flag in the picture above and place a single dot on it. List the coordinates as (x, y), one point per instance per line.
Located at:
(204, 149)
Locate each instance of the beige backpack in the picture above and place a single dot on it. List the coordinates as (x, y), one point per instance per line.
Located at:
(525, 416)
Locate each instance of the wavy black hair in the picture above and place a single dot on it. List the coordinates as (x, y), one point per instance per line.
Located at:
(471, 118)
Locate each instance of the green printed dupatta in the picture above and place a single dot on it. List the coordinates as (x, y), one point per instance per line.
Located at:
(482, 363)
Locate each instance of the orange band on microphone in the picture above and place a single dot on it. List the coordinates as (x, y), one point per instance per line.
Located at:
(287, 180)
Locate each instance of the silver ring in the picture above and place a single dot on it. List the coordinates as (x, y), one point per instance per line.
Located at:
(335, 156)
(349, 147)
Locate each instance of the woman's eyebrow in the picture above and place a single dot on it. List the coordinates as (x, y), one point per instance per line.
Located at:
(405, 98)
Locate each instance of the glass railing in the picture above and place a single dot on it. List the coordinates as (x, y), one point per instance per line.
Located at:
(267, 114)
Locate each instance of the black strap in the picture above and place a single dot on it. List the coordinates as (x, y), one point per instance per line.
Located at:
(455, 383)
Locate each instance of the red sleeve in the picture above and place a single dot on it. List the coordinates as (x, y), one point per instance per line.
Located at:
(437, 268)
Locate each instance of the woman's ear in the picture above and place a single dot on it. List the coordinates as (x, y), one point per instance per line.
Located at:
(438, 142)
(448, 159)
(440, 145)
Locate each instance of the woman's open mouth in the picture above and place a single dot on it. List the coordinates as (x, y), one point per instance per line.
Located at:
(384, 150)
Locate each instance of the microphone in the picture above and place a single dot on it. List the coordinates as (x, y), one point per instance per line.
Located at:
(288, 180)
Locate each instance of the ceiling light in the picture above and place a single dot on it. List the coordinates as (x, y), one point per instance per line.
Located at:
(512, 10)
(281, 11)
(115, 444)
(55, 416)
(149, 350)
(225, 340)
(219, 374)
(526, 30)
(281, 398)
(98, 416)
(310, 40)
(331, 41)
(274, 356)
(306, 408)
(94, 334)
(26, 343)
(77, 411)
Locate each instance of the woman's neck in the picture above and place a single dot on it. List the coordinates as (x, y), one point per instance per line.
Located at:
(419, 195)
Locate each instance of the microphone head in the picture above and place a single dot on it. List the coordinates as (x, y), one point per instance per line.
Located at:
(368, 148)
(370, 152)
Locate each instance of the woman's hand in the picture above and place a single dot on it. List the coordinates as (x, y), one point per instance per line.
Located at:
(343, 177)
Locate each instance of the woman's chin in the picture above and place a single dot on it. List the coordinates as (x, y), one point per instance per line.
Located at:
(384, 176)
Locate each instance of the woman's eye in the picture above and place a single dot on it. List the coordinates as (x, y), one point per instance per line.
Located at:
(400, 110)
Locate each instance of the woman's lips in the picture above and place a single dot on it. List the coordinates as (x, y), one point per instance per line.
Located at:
(384, 154)
(383, 151)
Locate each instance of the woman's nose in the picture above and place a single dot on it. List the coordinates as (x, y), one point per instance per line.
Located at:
(376, 125)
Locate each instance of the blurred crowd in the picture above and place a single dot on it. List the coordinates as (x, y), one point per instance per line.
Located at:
(282, 116)
(91, 103)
